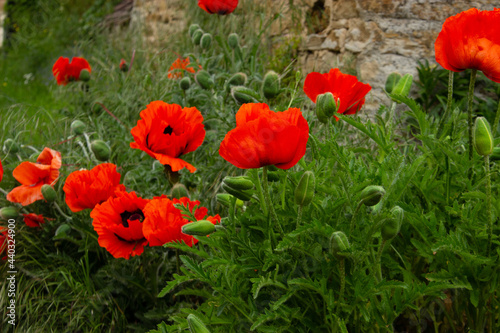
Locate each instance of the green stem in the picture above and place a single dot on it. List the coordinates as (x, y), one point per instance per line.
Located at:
(497, 119)
(379, 260)
(299, 216)
(391, 117)
(267, 196)
(342, 280)
(448, 103)
(261, 194)
(470, 100)
(61, 212)
(488, 200)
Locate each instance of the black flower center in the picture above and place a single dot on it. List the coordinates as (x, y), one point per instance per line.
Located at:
(168, 130)
(131, 216)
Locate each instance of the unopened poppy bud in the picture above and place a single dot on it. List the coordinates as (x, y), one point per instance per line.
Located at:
(185, 83)
(398, 213)
(62, 230)
(48, 193)
(403, 86)
(179, 191)
(390, 228)
(339, 243)
(391, 82)
(84, 75)
(239, 183)
(101, 150)
(193, 28)
(304, 192)
(238, 79)
(298, 76)
(272, 176)
(244, 95)
(7, 213)
(196, 325)
(204, 79)
(495, 156)
(225, 200)
(10, 146)
(244, 195)
(233, 40)
(372, 195)
(483, 140)
(326, 107)
(206, 41)
(197, 36)
(123, 65)
(271, 84)
(198, 228)
(78, 127)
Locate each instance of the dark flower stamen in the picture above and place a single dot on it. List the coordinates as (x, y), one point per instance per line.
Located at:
(131, 216)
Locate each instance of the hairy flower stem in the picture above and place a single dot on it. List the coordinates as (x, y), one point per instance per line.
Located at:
(488, 200)
(391, 119)
(260, 193)
(61, 212)
(353, 219)
(497, 119)
(265, 185)
(342, 280)
(448, 103)
(470, 100)
(299, 216)
(379, 260)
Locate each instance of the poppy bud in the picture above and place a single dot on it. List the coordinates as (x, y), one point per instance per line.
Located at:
(123, 65)
(304, 192)
(398, 213)
(48, 192)
(198, 228)
(483, 140)
(233, 40)
(339, 243)
(7, 213)
(272, 176)
(391, 82)
(84, 75)
(185, 83)
(403, 86)
(101, 150)
(390, 228)
(238, 79)
(372, 195)
(204, 79)
(244, 95)
(179, 191)
(240, 194)
(239, 183)
(206, 41)
(495, 156)
(62, 230)
(225, 200)
(197, 36)
(271, 84)
(10, 146)
(193, 28)
(326, 106)
(78, 127)
(196, 325)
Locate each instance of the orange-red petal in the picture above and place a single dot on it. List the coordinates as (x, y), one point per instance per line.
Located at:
(221, 7)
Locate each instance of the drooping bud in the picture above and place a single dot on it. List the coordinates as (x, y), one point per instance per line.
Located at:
(225, 200)
(483, 140)
(204, 79)
(239, 183)
(78, 127)
(206, 41)
(63, 230)
(179, 191)
(238, 79)
(198, 228)
(339, 244)
(123, 65)
(391, 82)
(372, 195)
(244, 195)
(196, 325)
(398, 213)
(304, 192)
(326, 107)
(7, 213)
(185, 83)
(233, 40)
(390, 228)
(403, 86)
(48, 193)
(84, 75)
(101, 150)
(197, 36)
(193, 28)
(10, 146)
(271, 84)
(244, 95)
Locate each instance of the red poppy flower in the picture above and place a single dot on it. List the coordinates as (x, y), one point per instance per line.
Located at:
(470, 39)
(65, 71)
(87, 188)
(176, 71)
(118, 223)
(33, 176)
(221, 7)
(263, 137)
(123, 65)
(34, 220)
(167, 131)
(163, 222)
(344, 87)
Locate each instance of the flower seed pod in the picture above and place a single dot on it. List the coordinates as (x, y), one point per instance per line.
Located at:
(483, 140)
(198, 228)
(179, 191)
(326, 107)
(48, 193)
(101, 150)
(339, 244)
(271, 84)
(244, 95)
(7, 213)
(233, 40)
(240, 194)
(10, 146)
(372, 195)
(206, 41)
(185, 83)
(225, 200)
(84, 75)
(238, 79)
(304, 192)
(390, 228)
(196, 325)
(193, 28)
(197, 36)
(78, 127)
(204, 79)
(403, 86)
(239, 183)
(391, 82)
